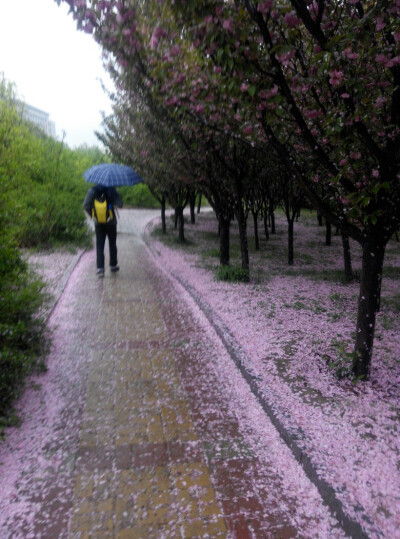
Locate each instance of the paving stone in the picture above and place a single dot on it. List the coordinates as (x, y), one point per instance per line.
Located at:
(159, 454)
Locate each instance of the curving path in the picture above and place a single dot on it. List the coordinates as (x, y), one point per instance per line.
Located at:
(142, 425)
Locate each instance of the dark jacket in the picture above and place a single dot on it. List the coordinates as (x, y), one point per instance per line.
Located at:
(111, 195)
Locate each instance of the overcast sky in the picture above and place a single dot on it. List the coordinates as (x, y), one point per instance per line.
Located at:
(55, 67)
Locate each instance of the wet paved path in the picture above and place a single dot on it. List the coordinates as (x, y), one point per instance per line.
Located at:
(133, 433)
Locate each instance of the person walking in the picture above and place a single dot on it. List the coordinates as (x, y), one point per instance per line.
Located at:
(100, 203)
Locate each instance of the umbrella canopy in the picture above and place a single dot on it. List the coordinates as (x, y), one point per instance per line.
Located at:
(112, 175)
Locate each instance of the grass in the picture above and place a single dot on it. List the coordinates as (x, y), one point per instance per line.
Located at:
(313, 261)
(171, 239)
(210, 253)
(232, 274)
(392, 303)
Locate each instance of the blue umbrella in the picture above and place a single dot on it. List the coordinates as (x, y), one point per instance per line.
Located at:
(112, 175)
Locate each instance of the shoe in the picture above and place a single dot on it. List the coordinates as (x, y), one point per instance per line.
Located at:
(114, 268)
(100, 272)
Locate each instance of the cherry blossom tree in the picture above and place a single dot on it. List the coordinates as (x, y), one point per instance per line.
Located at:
(324, 78)
(317, 80)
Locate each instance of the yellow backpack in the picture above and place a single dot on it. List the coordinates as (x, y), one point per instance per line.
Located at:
(102, 211)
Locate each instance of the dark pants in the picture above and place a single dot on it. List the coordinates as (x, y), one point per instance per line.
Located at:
(102, 231)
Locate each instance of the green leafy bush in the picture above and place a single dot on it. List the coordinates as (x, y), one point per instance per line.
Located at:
(41, 196)
(232, 273)
(51, 220)
(23, 339)
(138, 196)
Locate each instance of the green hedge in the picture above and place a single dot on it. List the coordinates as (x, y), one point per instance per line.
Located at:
(138, 196)
(41, 196)
(23, 338)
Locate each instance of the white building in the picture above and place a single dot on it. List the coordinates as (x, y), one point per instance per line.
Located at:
(39, 118)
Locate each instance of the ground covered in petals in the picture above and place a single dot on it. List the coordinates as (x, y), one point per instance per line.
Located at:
(294, 328)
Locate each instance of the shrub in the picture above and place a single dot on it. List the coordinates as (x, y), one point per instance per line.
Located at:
(23, 338)
(138, 196)
(52, 220)
(232, 273)
(41, 196)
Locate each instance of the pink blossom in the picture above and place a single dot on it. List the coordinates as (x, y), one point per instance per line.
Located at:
(311, 114)
(266, 94)
(336, 77)
(175, 51)
(375, 173)
(248, 129)
(215, 117)
(88, 28)
(228, 25)
(180, 78)
(350, 54)
(172, 101)
(380, 102)
(158, 33)
(291, 19)
(345, 95)
(381, 58)
(285, 57)
(380, 24)
(355, 155)
(264, 6)
(244, 87)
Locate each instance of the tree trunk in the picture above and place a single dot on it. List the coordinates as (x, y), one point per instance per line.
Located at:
(319, 217)
(192, 204)
(290, 242)
(163, 221)
(266, 228)
(199, 203)
(368, 304)
(176, 217)
(348, 270)
(244, 248)
(181, 224)
(273, 229)
(328, 233)
(224, 241)
(256, 238)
